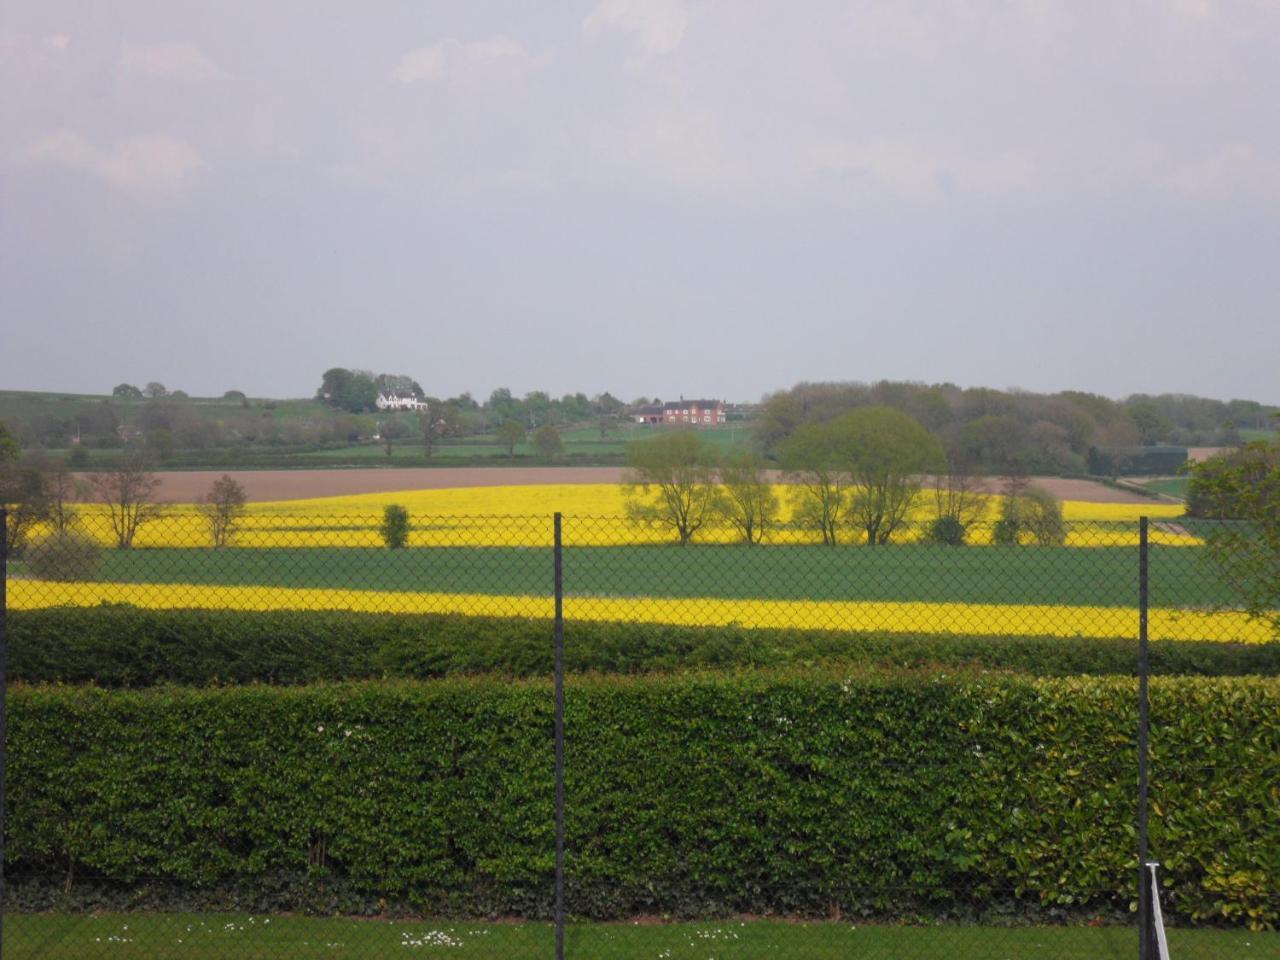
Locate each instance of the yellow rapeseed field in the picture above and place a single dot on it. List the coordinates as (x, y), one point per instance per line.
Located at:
(894, 617)
(483, 516)
(594, 515)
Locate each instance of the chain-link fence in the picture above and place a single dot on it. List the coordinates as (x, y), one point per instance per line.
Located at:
(326, 735)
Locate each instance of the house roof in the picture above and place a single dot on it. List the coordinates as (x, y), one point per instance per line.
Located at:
(700, 404)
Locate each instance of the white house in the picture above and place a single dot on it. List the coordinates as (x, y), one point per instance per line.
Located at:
(399, 401)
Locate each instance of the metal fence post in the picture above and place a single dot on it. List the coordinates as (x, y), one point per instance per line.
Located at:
(1144, 894)
(4, 699)
(559, 737)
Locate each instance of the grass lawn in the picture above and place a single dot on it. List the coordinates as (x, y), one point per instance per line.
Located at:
(1103, 576)
(209, 936)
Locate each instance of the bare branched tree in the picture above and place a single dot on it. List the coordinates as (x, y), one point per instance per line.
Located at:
(958, 494)
(129, 494)
(64, 488)
(222, 508)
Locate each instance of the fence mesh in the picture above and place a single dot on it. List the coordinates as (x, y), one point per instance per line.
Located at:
(268, 806)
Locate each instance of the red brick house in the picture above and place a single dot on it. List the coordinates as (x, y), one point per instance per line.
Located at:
(700, 412)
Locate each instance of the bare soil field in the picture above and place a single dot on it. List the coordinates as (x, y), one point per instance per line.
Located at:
(188, 486)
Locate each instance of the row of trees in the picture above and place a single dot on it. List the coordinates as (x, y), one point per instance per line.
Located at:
(865, 470)
(1015, 431)
(356, 391)
(45, 496)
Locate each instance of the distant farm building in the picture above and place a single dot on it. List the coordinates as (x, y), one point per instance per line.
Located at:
(682, 412)
(399, 401)
(705, 412)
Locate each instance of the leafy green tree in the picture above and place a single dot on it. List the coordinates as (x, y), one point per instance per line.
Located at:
(510, 434)
(1150, 421)
(98, 420)
(814, 461)
(160, 442)
(671, 481)
(24, 494)
(351, 390)
(1218, 486)
(547, 441)
(9, 447)
(437, 422)
(746, 499)
(391, 431)
(155, 390)
(126, 391)
(1243, 490)
(888, 452)
(395, 526)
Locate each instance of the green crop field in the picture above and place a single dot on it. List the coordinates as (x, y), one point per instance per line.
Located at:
(1101, 576)
(1169, 486)
(245, 937)
(579, 443)
(1248, 434)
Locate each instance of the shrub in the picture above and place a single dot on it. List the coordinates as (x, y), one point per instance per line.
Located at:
(69, 555)
(1035, 511)
(949, 530)
(1041, 515)
(1005, 532)
(126, 646)
(894, 794)
(395, 526)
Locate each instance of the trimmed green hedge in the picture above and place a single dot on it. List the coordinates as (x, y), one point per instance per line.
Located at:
(126, 646)
(797, 792)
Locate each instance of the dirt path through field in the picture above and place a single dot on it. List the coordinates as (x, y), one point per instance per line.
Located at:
(188, 486)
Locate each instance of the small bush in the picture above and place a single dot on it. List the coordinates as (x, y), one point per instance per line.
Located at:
(1036, 512)
(395, 526)
(69, 555)
(1042, 517)
(948, 530)
(1005, 532)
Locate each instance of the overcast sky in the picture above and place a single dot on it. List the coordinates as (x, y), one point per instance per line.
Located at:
(667, 197)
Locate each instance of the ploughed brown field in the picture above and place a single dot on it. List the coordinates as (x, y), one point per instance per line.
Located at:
(264, 485)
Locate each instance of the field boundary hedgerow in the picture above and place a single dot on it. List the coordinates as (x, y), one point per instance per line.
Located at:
(121, 646)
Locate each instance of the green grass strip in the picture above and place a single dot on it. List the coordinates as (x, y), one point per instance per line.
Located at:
(215, 936)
